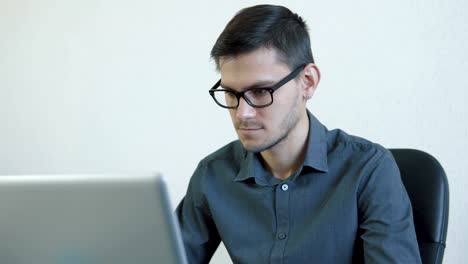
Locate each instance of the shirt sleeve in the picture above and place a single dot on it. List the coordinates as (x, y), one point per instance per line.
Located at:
(199, 233)
(386, 218)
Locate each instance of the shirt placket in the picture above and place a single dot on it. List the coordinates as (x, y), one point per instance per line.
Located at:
(282, 222)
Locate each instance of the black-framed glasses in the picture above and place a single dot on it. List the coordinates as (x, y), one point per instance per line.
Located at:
(256, 97)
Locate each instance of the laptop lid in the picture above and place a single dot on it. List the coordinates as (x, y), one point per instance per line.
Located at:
(87, 219)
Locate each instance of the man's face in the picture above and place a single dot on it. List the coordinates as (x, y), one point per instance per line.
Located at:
(262, 128)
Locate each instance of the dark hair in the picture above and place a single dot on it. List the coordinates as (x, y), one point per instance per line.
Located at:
(265, 26)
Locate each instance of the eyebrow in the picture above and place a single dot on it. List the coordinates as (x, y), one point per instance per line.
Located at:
(259, 84)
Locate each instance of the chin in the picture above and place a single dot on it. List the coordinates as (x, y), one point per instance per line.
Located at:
(254, 147)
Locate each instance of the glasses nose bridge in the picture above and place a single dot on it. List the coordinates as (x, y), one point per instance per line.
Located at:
(240, 95)
(244, 109)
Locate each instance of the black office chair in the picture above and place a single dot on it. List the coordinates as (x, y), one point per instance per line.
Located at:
(427, 187)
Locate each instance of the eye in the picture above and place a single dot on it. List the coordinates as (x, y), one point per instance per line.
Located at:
(229, 94)
(258, 92)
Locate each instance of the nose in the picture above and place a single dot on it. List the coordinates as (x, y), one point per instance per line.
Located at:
(244, 110)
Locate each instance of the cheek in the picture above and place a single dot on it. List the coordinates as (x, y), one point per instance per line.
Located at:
(282, 107)
(232, 114)
(286, 96)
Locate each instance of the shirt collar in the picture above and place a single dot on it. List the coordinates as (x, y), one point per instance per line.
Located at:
(252, 168)
(316, 156)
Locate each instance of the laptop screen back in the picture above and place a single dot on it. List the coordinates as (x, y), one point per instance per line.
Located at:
(87, 219)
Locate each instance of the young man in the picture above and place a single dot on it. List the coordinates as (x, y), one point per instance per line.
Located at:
(289, 190)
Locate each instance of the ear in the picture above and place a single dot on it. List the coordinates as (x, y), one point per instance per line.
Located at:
(311, 79)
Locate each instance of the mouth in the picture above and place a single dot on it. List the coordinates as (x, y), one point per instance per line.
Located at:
(249, 128)
(248, 131)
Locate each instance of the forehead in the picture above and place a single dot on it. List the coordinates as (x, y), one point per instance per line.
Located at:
(261, 65)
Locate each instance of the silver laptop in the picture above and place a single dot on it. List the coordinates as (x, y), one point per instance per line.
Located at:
(87, 219)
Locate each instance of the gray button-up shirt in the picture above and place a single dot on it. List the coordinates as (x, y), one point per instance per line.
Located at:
(345, 204)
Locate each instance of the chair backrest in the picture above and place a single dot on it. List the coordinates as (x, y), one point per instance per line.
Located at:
(427, 187)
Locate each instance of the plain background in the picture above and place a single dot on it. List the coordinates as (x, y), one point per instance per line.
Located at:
(121, 86)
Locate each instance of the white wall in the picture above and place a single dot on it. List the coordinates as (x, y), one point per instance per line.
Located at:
(99, 86)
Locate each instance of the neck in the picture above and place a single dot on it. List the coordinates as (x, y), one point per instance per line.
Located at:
(283, 159)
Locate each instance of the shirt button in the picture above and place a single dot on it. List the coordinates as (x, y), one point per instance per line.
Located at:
(284, 187)
(282, 235)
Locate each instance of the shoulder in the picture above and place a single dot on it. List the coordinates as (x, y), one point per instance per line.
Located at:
(372, 164)
(223, 164)
(354, 147)
(232, 151)
(215, 169)
(363, 159)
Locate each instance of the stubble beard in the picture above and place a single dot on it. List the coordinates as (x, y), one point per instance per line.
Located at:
(289, 123)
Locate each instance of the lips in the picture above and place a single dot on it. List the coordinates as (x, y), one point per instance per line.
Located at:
(248, 132)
